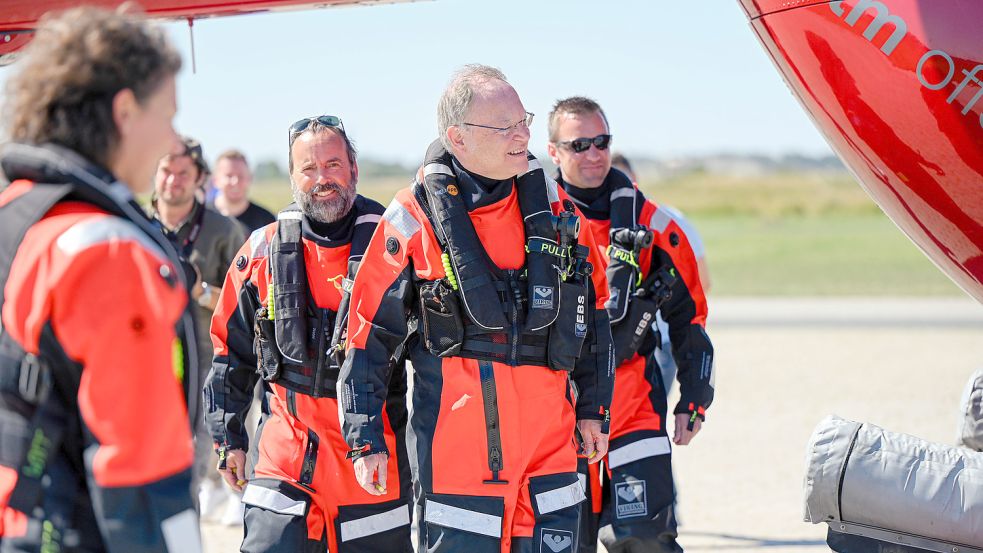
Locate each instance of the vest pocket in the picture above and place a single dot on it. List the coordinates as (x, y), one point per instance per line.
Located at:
(629, 334)
(568, 332)
(267, 356)
(443, 327)
(463, 523)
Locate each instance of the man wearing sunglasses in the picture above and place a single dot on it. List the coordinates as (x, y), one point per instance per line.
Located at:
(650, 266)
(281, 317)
(483, 257)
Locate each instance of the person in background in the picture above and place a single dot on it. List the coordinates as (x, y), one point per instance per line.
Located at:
(232, 179)
(650, 266)
(207, 241)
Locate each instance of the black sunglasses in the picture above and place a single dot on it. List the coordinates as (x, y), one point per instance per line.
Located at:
(325, 120)
(578, 145)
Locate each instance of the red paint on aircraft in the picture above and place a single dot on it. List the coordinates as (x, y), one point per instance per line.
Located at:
(896, 86)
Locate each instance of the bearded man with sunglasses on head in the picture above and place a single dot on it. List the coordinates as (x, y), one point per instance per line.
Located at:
(281, 317)
(650, 266)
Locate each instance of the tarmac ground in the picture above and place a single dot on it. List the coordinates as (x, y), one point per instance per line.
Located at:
(782, 366)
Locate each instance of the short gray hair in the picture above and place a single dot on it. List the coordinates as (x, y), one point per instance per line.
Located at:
(457, 98)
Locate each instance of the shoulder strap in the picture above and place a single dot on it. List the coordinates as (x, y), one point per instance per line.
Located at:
(544, 255)
(622, 271)
(474, 271)
(19, 215)
(289, 280)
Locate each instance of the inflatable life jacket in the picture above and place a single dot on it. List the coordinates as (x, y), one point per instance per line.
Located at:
(39, 393)
(299, 345)
(533, 316)
(633, 302)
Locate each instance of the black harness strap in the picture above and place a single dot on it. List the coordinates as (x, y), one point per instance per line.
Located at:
(289, 277)
(622, 271)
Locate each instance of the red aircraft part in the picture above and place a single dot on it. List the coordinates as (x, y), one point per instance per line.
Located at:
(896, 86)
(18, 16)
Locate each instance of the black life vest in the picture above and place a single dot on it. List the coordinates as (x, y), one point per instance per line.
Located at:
(512, 317)
(309, 340)
(623, 271)
(39, 393)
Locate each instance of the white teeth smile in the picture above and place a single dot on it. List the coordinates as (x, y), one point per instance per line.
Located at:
(517, 152)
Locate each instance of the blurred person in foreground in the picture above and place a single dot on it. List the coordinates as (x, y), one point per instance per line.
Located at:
(232, 179)
(650, 266)
(96, 448)
(208, 241)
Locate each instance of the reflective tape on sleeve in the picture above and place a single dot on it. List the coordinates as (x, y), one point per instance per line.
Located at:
(99, 230)
(374, 524)
(463, 519)
(660, 220)
(273, 500)
(401, 219)
(560, 498)
(649, 447)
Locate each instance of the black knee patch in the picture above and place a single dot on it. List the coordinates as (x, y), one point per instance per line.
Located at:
(276, 519)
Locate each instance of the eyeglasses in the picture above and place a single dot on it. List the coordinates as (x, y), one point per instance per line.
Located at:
(526, 121)
(325, 120)
(578, 145)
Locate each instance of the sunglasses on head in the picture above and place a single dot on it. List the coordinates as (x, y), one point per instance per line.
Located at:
(578, 145)
(324, 120)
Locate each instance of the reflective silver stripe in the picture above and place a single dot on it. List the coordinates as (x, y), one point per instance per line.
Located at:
(272, 500)
(401, 220)
(99, 230)
(374, 524)
(437, 169)
(370, 218)
(533, 165)
(181, 532)
(551, 189)
(257, 243)
(560, 498)
(289, 216)
(583, 481)
(649, 447)
(623, 193)
(463, 519)
(660, 220)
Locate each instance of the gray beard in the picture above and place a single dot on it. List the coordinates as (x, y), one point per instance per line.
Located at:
(325, 211)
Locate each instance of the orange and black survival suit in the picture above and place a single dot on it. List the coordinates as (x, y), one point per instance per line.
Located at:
(498, 316)
(95, 435)
(651, 266)
(283, 299)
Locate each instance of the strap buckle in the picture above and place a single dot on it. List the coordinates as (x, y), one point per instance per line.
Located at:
(32, 382)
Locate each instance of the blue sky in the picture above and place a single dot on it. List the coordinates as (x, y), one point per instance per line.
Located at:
(676, 78)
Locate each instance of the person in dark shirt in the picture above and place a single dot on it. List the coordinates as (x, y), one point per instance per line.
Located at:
(232, 179)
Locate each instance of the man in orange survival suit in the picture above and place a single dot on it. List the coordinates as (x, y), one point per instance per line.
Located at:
(281, 312)
(651, 264)
(499, 333)
(95, 451)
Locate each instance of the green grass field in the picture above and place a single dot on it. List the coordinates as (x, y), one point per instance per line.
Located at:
(772, 235)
